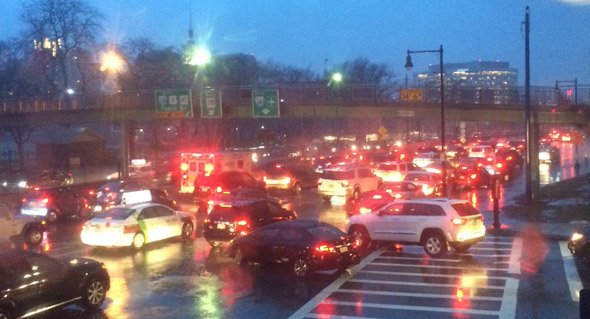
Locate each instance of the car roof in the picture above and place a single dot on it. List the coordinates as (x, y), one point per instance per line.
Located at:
(449, 201)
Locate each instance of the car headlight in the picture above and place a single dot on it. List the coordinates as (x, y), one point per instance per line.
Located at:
(22, 184)
(577, 236)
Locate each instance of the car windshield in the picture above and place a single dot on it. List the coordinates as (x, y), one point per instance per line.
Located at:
(117, 213)
(337, 174)
(465, 209)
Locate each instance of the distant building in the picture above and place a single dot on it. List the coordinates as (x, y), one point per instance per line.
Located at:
(477, 82)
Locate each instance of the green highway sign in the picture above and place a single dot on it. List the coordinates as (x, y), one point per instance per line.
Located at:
(211, 104)
(174, 103)
(265, 103)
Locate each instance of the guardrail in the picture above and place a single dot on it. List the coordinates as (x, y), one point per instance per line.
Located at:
(310, 95)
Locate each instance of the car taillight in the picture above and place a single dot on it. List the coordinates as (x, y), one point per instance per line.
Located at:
(459, 221)
(242, 222)
(131, 229)
(473, 176)
(325, 248)
(398, 196)
(356, 243)
(45, 200)
(219, 189)
(499, 165)
(286, 180)
(365, 210)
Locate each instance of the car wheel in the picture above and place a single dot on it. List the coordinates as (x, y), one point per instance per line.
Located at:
(4, 314)
(187, 230)
(434, 244)
(361, 236)
(138, 241)
(301, 267)
(297, 188)
(94, 294)
(33, 236)
(51, 216)
(239, 256)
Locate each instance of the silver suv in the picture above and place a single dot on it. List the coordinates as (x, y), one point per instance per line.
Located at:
(347, 181)
(434, 224)
(30, 229)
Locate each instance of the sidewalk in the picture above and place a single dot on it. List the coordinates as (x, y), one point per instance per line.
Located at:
(562, 207)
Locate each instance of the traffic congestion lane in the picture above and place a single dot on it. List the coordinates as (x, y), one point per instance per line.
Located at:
(482, 283)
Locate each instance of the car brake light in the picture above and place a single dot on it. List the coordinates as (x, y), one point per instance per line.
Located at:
(45, 200)
(365, 210)
(324, 248)
(473, 176)
(219, 189)
(509, 158)
(356, 243)
(398, 196)
(242, 222)
(377, 196)
(459, 221)
(499, 165)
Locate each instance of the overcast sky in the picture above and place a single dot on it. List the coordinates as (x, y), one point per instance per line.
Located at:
(304, 33)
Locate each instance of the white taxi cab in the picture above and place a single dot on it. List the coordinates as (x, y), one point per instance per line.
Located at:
(136, 224)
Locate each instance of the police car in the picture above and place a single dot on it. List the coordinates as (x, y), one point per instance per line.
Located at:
(136, 223)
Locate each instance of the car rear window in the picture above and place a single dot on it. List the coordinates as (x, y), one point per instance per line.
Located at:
(338, 175)
(118, 213)
(387, 167)
(465, 209)
(417, 177)
(325, 231)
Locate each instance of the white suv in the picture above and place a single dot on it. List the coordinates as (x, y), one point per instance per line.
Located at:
(434, 224)
(347, 181)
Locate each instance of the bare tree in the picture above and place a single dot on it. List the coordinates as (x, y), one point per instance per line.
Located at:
(363, 71)
(61, 29)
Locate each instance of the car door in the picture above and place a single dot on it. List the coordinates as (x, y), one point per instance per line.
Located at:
(150, 224)
(260, 245)
(386, 224)
(259, 215)
(51, 279)
(17, 273)
(169, 221)
(275, 212)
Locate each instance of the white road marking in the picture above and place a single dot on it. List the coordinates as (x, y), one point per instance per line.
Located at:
(378, 272)
(571, 273)
(514, 265)
(422, 284)
(418, 258)
(437, 266)
(509, 299)
(416, 308)
(308, 307)
(409, 294)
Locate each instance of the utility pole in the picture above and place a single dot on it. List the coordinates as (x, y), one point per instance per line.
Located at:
(532, 124)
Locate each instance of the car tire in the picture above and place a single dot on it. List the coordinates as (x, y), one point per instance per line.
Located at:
(434, 244)
(187, 231)
(94, 294)
(297, 188)
(33, 236)
(301, 267)
(138, 241)
(5, 314)
(238, 256)
(51, 216)
(360, 233)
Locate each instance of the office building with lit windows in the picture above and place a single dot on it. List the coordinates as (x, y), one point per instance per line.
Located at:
(477, 82)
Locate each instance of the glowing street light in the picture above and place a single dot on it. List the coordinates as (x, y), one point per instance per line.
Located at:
(198, 56)
(337, 77)
(111, 62)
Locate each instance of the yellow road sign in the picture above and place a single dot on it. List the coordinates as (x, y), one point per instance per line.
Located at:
(413, 95)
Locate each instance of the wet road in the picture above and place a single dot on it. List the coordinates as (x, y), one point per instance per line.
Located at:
(175, 279)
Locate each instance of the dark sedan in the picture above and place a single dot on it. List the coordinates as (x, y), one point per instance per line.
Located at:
(305, 246)
(32, 283)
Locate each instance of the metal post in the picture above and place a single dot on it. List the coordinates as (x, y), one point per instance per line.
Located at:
(442, 125)
(527, 105)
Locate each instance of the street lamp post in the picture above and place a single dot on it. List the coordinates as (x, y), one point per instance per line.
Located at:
(409, 66)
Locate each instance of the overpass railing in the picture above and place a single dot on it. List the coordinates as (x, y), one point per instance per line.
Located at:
(301, 95)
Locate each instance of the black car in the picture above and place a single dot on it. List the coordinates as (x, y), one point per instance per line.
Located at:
(50, 178)
(579, 243)
(12, 181)
(290, 176)
(228, 221)
(32, 283)
(111, 194)
(205, 186)
(54, 203)
(306, 246)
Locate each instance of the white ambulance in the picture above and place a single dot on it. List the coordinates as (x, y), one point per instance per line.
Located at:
(193, 165)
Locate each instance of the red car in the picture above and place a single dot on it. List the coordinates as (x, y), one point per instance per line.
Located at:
(369, 202)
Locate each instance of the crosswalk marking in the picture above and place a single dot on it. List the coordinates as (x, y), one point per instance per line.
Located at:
(389, 281)
(571, 273)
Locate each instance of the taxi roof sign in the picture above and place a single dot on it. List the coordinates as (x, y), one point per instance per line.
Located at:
(136, 197)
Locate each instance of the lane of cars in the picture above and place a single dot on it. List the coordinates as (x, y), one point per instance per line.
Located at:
(258, 229)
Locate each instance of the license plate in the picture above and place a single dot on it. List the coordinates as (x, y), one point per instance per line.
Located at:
(343, 249)
(220, 226)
